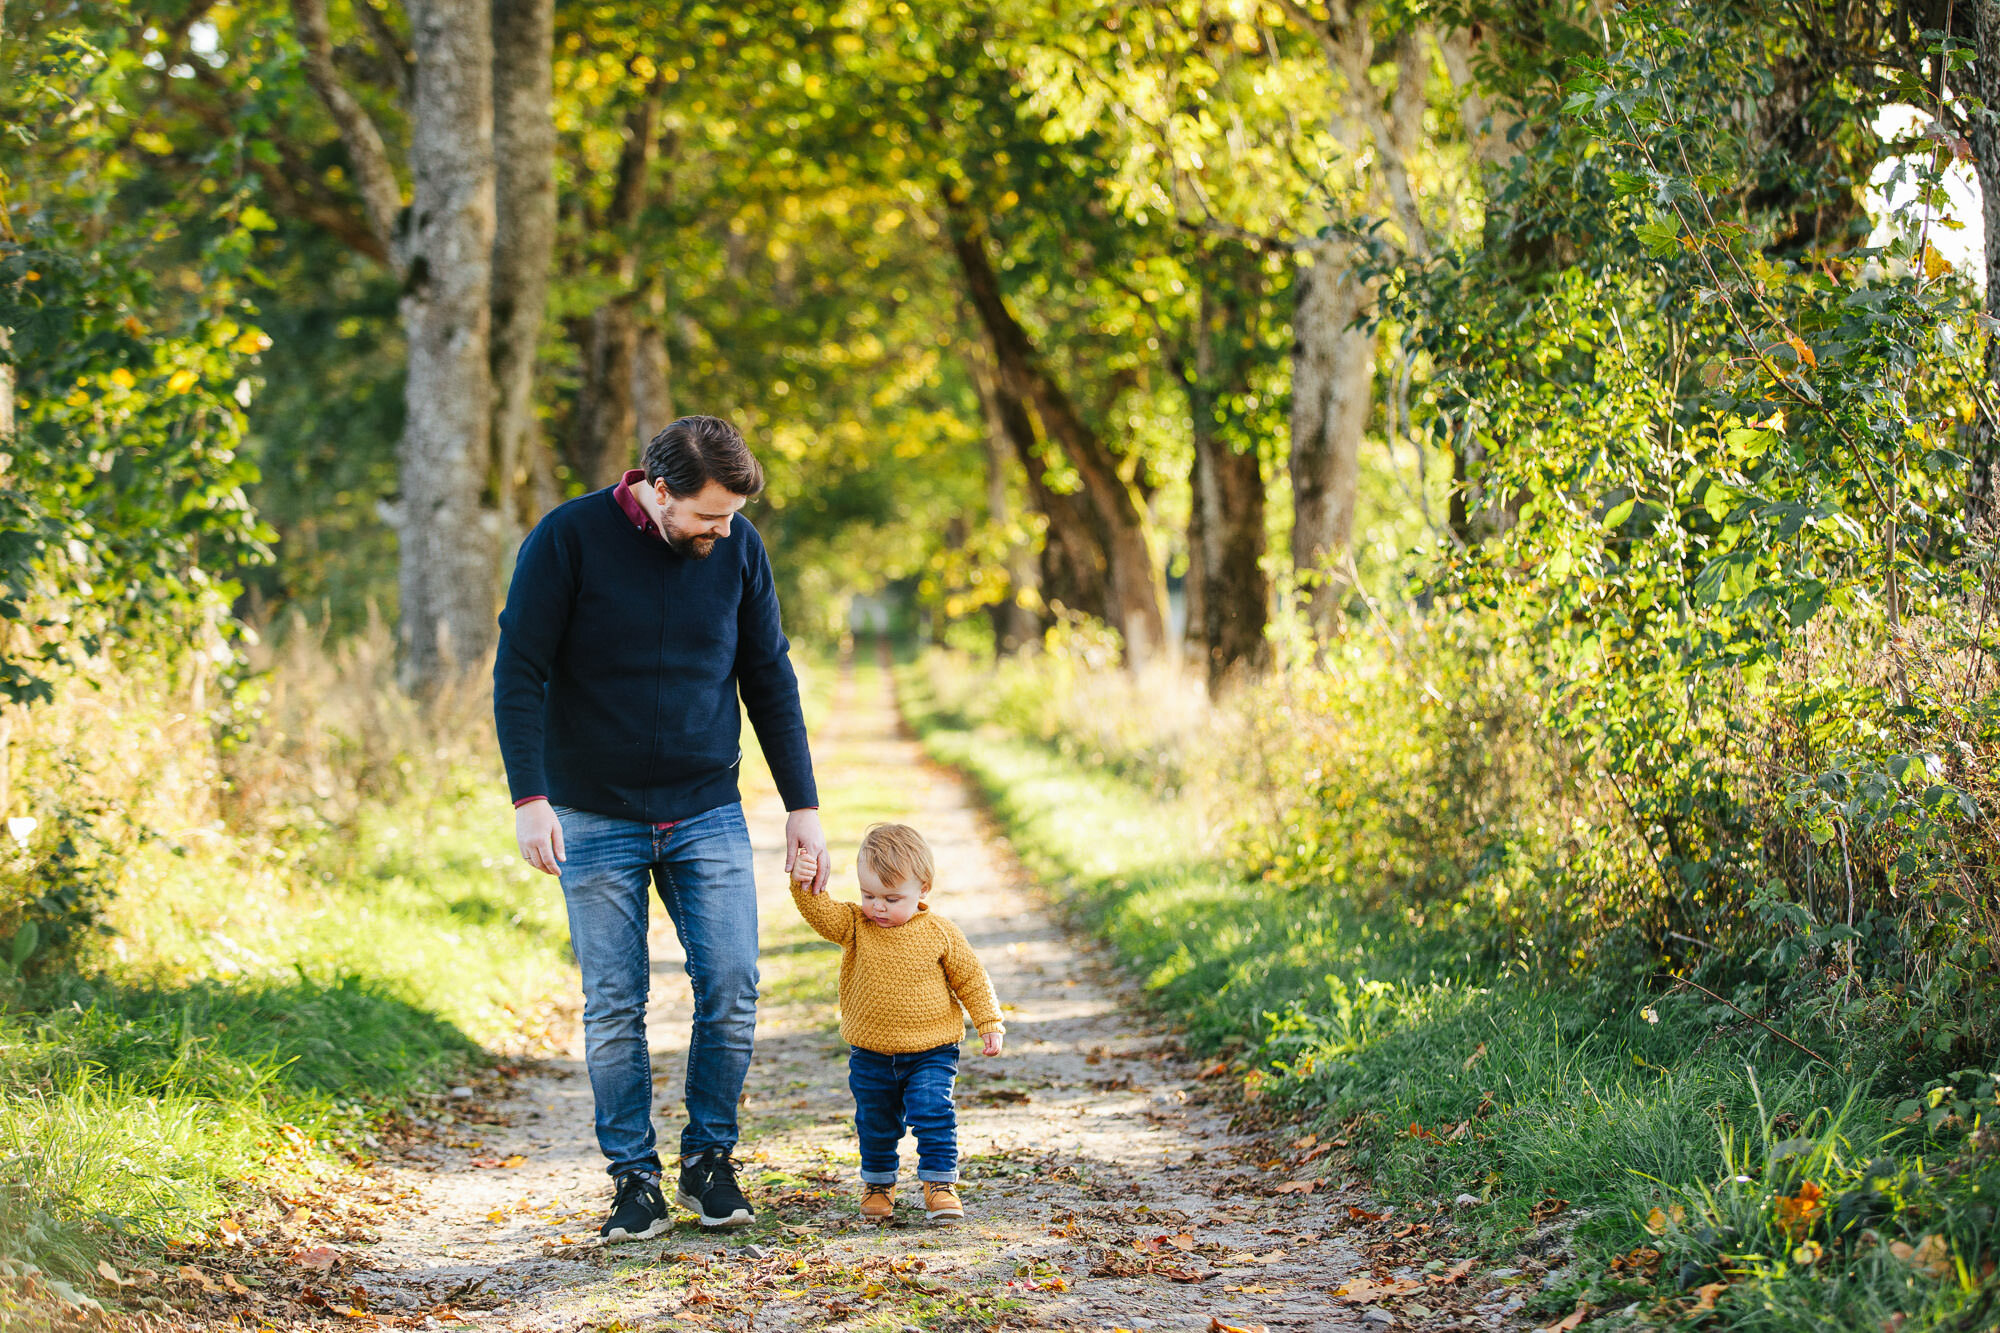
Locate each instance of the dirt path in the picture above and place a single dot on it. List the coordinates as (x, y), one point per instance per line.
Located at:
(1100, 1194)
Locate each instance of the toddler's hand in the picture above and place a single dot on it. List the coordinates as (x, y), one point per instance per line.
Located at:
(805, 867)
(992, 1042)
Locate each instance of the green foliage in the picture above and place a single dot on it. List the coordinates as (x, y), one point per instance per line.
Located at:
(124, 504)
(1641, 1147)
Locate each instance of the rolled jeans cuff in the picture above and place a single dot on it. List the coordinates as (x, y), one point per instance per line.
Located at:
(939, 1177)
(878, 1177)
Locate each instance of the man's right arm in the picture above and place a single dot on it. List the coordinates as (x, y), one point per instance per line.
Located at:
(539, 601)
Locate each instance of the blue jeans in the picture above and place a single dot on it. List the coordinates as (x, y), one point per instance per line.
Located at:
(701, 866)
(892, 1092)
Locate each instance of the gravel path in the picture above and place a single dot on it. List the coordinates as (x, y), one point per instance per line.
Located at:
(1103, 1191)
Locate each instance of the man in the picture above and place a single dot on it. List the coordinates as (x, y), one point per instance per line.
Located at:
(636, 615)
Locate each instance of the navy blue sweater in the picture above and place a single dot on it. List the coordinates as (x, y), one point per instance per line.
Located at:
(615, 690)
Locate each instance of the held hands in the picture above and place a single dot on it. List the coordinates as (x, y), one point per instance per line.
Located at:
(991, 1042)
(804, 838)
(540, 836)
(805, 868)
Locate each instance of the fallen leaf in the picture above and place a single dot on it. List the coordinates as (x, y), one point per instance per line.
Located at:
(1298, 1187)
(108, 1273)
(1174, 1274)
(1215, 1325)
(1706, 1294)
(1216, 1070)
(1478, 1053)
(1363, 1215)
(1929, 1256)
(319, 1258)
(1316, 1153)
(1366, 1290)
(1567, 1322)
(190, 1273)
(1658, 1220)
(237, 1288)
(1549, 1208)
(1452, 1274)
(1307, 1142)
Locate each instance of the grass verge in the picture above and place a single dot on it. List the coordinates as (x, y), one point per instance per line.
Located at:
(1665, 1160)
(250, 1018)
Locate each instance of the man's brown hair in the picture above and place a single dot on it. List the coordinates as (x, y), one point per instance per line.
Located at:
(694, 451)
(897, 852)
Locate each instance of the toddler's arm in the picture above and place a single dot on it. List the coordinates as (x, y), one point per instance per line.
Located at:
(973, 988)
(832, 920)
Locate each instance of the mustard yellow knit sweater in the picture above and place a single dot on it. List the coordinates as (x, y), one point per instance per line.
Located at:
(901, 986)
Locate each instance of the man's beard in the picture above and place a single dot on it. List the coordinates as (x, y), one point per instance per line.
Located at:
(695, 548)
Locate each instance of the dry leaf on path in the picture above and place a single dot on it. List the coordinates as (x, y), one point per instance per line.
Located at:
(1215, 1325)
(1567, 1322)
(1184, 1274)
(1706, 1294)
(1450, 1275)
(1658, 1220)
(1366, 1290)
(319, 1258)
(1298, 1187)
(1363, 1215)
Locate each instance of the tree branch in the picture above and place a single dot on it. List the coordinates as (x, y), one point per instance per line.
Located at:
(381, 194)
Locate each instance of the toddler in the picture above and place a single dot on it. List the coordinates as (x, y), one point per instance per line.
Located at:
(904, 972)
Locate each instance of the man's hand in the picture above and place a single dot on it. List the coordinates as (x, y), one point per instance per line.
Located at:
(802, 834)
(991, 1042)
(540, 836)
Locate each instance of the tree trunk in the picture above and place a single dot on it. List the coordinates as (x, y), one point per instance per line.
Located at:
(1227, 587)
(608, 430)
(1072, 566)
(1134, 586)
(1983, 81)
(606, 427)
(652, 369)
(524, 141)
(1333, 390)
(449, 541)
(1009, 431)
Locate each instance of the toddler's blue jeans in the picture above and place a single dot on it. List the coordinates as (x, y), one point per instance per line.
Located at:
(895, 1092)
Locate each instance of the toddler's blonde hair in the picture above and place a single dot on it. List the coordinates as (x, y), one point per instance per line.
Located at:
(897, 852)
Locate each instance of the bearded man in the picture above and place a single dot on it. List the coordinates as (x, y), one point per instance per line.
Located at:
(637, 617)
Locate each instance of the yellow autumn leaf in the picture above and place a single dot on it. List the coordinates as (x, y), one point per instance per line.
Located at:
(182, 381)
(252, 342)
(78, 398)
(1803, 352)
(122, 378)
(1935, 264)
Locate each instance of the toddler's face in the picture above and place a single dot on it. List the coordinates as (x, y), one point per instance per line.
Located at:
(886, 904)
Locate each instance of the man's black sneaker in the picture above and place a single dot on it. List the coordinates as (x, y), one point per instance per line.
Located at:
(708, 1188)
(639, 1212)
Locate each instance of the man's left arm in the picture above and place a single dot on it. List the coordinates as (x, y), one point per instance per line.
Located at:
(770, 690)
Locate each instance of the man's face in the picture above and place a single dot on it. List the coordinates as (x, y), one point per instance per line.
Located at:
(886, 904)
(693, 525)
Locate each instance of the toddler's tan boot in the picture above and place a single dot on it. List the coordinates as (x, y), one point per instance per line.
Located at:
(941, 1202)
(878, 1202)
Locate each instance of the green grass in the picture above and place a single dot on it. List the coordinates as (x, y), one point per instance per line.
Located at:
(1619, 1105)
(251, 1015)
